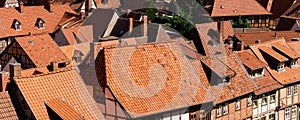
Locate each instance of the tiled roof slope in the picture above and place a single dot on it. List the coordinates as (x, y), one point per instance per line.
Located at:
(250, 38)
(7, 110)
(240, 83)
(42, 49)
(63, 109)
(237, 8)
(151, 78)
(225, 28)
(28, 19)
(292, 12)
(290, 74)
(65, 84)
(265, 83)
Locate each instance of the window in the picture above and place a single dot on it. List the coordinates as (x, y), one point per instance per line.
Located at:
(263, 118)
(254, 104)
(287, 113)
(219, 111)
(264, 101)
(17, 25)
(272, 98)
(272, 117)
(249, 100)
(238, 104)
(294, 63)
(41, 24)
(280, 67)
(294, 111)
(225, 109)
(257, 73)
(295, 89)
(193, 116)
(289, 91)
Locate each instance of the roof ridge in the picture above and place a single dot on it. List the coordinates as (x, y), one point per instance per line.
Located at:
(43, 74)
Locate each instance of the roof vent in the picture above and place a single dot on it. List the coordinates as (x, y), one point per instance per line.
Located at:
(295, 39)
(30, 42)
(257, 41)
(222, 7)
(234, 11)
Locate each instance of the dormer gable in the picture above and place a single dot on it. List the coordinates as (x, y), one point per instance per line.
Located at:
(16, 25)
(40, 23)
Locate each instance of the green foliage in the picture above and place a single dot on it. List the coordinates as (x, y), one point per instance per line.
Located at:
(241, 24)
(202, 2)
(151, 12)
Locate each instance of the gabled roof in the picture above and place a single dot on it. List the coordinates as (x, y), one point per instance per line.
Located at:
(272, 53)
(223, 8)
(42, 50)
(264, 83)
(66, 84)
(290, 75)
(250, 38)
(7, 110)
(29, 17)
(292, 12)
(151, 78)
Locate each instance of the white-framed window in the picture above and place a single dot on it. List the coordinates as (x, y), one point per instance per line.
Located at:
(238, 104)
(41, 24)
(280, 67)
(255, 104)
(295, 89)
(219, 111)
(289, 91)
(287, 113)
(193, 116)
(294, 63)
(264, 101)
(272, 98)
(225, 109)
(272, 117)
(294, 111)
(263, 118)
(257, 73)
(17, 25)
(249, 100)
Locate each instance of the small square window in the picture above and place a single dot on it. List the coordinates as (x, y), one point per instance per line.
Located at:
(272, 117)
(238, 105)
(287, 113)
(249, 100)
(272, 98)
(255, 104)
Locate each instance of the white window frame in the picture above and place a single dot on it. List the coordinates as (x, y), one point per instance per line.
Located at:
(280, 67)
(255, 104)
(264, 101)
(17, 26)
(289, 91)
(238, 104)
(294, 63)
(287, 114)
(295, 90)
(219, 111)
(249, 100)
(272, 98)
(294, 111)
(225, 109)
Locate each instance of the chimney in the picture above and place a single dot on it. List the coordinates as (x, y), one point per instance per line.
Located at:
(15, 70)
(240, 46)
(130, 25)
(4, 80)
(145, 26)
(21, 7)
(49, 6)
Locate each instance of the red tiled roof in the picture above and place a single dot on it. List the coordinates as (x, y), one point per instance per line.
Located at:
(250, 60)
(7, 110)
(29, 18)
(286, 77)
(287, 51)
(237, 8)
(151, 78)
(63, 109)
(226, 29)
(217, 66)
(273, 54)
(292, 12)
(42, 50)
(65, 84)
(250, 38)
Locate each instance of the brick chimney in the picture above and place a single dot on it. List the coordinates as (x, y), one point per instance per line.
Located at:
(49, 6)
(21, 7)
(15, 70)
(130, 25)
(145, 26)
(4, 80)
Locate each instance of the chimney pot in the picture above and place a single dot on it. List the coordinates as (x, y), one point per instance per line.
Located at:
(15, 69)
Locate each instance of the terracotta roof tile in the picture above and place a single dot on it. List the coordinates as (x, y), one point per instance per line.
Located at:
(133, 71)
(219, 67)
(29, 18)
(250, 61)
(237, 8)
(286, 77)
(250, 38)
(285, 50)
(273, 54)
(292, 12)
(67, 84)
(7, 110)
(42, 50)
(63, 109)
(226, 29)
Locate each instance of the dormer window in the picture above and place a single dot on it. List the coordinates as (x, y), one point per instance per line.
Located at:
(17, 26)
(294, 63)
(280, 67)
(256, 73)
(40, 23)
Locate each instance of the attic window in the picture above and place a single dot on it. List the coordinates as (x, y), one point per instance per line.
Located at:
(17, 25)
(294, 63)
(256, 73)
(280, 67)
(41, 24)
